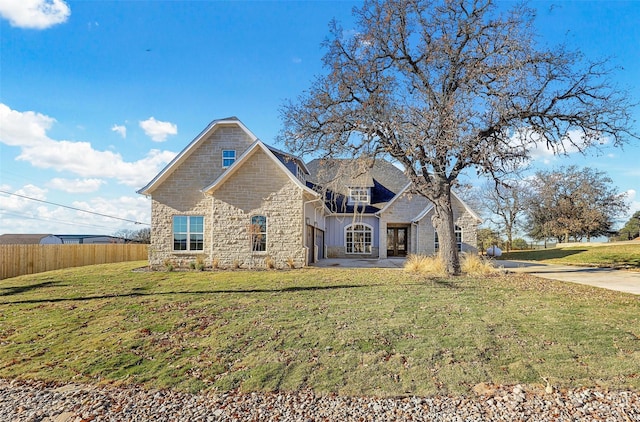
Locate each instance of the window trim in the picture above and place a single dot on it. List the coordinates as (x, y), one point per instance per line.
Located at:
(366, 228)
(362, 197)
(457, 231)
(233, 159)
(252, 234)
(188, 233)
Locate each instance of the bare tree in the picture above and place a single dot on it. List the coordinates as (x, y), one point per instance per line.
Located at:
(447, 85)
(506, 204)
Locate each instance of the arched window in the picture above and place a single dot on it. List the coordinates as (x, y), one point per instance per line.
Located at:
(458, 232)
(358, 238)
(258, 232)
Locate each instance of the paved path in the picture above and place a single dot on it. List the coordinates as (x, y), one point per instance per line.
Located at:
(606, 278)
(361, 263)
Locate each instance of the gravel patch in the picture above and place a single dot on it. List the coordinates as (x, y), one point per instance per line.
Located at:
(48, 402)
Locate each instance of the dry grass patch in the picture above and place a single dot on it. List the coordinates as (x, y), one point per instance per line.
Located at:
(476, 266)
(471, 265)
(428, 265)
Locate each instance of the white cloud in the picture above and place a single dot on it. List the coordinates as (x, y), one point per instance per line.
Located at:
(128, 207)
(17, 203)
(634, 202)
(75, 185)
(27, 130)
(34, 14)
(21, 215)
(23, 128)
(157, 130)
(538, 150)
(121, 130)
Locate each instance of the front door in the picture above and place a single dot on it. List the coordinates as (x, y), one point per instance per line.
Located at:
(397, 241)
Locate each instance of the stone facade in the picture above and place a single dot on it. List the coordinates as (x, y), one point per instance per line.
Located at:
(259, 188)
(404, 211)
(461, 217)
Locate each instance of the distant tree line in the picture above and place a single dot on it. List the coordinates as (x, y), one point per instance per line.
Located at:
(565, 204)
(135, 236)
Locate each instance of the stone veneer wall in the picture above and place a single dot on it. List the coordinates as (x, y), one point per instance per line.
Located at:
(403, 210)
(180, 194)
(422, 237)
(259, 187)
(462, 218)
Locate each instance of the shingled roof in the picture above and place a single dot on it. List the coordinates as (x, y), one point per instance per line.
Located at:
(336, 176)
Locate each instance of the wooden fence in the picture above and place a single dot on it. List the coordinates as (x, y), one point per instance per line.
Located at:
(17, 260)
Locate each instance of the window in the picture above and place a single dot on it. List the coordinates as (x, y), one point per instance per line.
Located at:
(258, 232)
(188, 233)
(358, 238)
(458, 232)
(228, 157)
(358, 195)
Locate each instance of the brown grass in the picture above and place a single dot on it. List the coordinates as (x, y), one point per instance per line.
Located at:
(471, 264)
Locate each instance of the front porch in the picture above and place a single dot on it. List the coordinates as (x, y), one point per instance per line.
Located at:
(396, 263)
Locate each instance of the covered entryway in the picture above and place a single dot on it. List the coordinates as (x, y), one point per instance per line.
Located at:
(397, 241)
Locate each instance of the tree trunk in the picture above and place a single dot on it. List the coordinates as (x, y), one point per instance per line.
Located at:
(444, 225)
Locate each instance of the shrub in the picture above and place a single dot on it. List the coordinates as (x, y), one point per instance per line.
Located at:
(215, 263)
(291, 263)
(432, 265)
(200, 262)
(519, 244)
(168, 264)
(269, 262)
(473, 264)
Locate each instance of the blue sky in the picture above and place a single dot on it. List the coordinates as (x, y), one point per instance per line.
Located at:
(97, 96)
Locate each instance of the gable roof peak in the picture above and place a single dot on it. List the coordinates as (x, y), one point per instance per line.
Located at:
(192, 146)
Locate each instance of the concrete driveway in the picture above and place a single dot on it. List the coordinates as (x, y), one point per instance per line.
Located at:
(606, 278)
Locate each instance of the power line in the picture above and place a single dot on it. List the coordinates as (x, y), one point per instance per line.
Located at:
(52, 220)
(74, 208)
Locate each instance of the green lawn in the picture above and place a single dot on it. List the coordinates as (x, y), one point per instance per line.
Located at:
(357, 332)
(609, 255)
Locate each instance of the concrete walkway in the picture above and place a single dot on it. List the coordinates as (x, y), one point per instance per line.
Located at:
(606, 278)
(360, 263)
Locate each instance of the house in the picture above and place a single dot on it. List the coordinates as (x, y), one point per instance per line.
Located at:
(238, 202)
